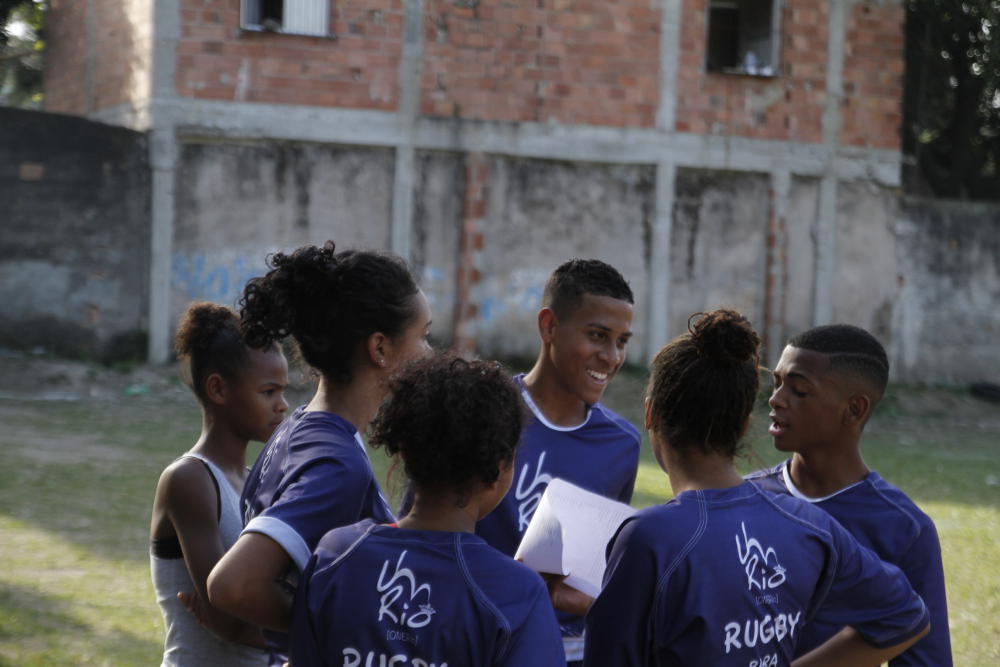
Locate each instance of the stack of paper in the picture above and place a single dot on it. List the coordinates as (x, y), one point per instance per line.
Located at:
(569, 534)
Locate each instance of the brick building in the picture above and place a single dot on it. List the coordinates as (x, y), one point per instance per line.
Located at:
(719, 152)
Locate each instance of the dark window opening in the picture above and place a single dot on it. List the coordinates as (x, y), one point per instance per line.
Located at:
(743, 37)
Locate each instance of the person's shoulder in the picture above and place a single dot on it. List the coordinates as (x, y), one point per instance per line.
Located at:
(606, 415)
(343, 539)
(896, 503)
(185, 477)
(770, 479)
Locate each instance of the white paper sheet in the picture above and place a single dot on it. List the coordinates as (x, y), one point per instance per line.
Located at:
(569, 534)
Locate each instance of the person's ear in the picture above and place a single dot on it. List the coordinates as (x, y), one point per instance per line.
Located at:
(377, 349)
(857, 410)
(647, 408)
(216, 389)
(546, 324)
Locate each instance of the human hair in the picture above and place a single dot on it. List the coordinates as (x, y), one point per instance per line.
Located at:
(208, 340)
(852, 351)
(703, 384)
(566, 286)
(329, 302)
(452, 422)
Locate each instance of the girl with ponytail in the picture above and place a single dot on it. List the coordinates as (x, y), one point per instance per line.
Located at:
(726, 573)
(356, 318)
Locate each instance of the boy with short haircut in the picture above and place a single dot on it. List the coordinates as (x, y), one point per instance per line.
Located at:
(826, 385)
(584, 325)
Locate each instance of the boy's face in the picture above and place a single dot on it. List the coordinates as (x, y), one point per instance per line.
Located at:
(587, 346)
(807, 404)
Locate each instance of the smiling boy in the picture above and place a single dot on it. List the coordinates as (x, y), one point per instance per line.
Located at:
(826, 384)
(585, 326)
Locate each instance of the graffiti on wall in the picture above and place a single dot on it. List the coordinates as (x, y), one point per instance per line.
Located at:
(217, 277)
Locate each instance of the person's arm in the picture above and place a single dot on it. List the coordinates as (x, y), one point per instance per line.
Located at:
(537, 641)
(923, 568)
(617, 624)
(564, 597)
(248, 582)
(191, 503)
(848, 649)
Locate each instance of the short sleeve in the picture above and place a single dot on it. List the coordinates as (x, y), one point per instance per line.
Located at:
(869, 595)
(618, 622)
(537, 642)
(325, 495)
(923, 567)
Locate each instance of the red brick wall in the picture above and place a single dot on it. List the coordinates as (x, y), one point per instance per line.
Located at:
(789, 106)
(118, 60)
(872, 109)
(65, 53)
(573, 61)
(358, 69)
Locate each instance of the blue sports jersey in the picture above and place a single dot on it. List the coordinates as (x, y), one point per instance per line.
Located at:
(381, 595)
(313, 475)
(884, 519)
(733, 576)
(600, 455)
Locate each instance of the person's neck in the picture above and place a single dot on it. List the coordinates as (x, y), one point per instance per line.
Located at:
(696, 470)
(221, 445)
(356, 401)
(559, 406)
(441, 512)
(820, 473)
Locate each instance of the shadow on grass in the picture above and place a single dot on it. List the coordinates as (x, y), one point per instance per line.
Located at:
(36, 629)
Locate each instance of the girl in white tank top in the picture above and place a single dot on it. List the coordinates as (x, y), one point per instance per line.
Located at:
(196, 511)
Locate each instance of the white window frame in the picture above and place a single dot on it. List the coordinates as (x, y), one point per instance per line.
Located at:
(763, 70)
(299, 17)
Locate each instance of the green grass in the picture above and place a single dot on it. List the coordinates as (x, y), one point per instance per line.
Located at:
(77, 478)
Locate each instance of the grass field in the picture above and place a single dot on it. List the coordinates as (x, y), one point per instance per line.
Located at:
(81, 450)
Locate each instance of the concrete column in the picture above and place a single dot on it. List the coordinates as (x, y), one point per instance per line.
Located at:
(163, 161)
(409, 107)
(163, 149)
(825, 229)
(477, 178)
(670, 48)
(777, 268)
(659, 270)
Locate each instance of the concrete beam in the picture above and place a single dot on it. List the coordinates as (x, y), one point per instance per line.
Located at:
(587, 143)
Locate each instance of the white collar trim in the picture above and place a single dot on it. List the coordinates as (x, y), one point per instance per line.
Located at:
(794, 490)
(538, 413)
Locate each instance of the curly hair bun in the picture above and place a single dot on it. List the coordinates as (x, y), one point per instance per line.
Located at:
(724, 336)
(202, 324)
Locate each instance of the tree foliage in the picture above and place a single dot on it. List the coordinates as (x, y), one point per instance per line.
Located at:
(952, 100)
(21, 50)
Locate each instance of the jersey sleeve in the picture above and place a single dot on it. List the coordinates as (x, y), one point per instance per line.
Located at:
(869, 595)
(325, 495)
(922, 566)
(617, 626)
(537, 642)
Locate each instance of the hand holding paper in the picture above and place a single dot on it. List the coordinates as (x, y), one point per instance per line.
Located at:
(569, 533)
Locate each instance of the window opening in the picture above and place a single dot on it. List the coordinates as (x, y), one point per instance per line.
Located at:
(743, 37)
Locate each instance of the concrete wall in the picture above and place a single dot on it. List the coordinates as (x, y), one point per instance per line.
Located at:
(540, 214)
(74, 247)
(948, 254)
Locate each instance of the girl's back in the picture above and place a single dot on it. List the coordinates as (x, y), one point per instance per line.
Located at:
(420, 597)
(738, 573)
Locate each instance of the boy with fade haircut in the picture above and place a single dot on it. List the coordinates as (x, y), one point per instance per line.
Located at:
(826, 385)
(585, 326)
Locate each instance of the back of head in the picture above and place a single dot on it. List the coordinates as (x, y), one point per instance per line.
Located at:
(566, 286)
(853, 352)
(704, 383)
(328, 302)
(454, 423)
(208, 341)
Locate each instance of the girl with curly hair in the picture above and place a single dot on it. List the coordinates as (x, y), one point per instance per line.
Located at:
(428, 590)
